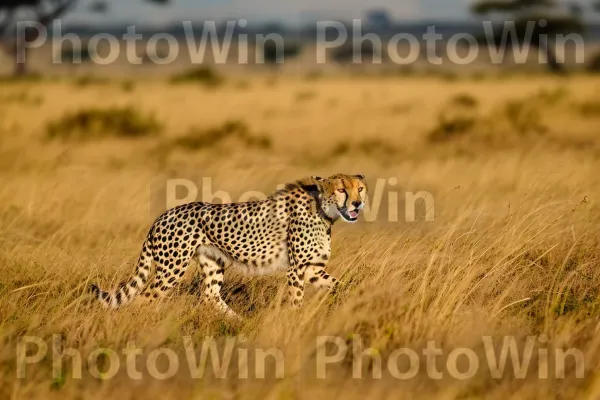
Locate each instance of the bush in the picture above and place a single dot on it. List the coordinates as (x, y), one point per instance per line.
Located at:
(465, 100)
(305, 95)
(314, 75)
(457, 119)
(370, 147)
(272, 54)
(450, 127)
(197, 139)
(90, 124)
(589, 109)
(375, 147)
(367, 51)
(127, 86)
(507, 125)
(88, 80)
(340, 149)
(203, 75)
(594, 65)
(76, 55)
(524, 117)
(32, 77)
(23, 97)
(551, 97)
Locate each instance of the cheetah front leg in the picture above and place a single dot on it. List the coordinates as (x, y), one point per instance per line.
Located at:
(313, 273)
(296, 285)
(213, 270)
(316, 275)
(306, 260)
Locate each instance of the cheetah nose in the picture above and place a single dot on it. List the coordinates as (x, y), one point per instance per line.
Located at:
(356, 204)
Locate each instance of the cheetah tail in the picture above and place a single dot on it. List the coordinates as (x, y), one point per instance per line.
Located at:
(127, 291)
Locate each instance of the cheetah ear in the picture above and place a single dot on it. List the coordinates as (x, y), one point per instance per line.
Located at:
(313, 190)
(363, 179)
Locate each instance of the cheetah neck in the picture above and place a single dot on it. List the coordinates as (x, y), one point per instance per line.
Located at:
(311, 187)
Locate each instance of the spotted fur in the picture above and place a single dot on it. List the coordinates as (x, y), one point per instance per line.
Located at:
(290, 230)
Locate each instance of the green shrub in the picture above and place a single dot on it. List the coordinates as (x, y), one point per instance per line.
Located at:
(340, 149)
(272, 54)
(593, 65)
(76, 55)
(89, 124)
(88, 80)
(458, 118)
(197, 139)
(375, 147)
(23, 97)
(589, 108)
(465, 100)
(451, 127)
(203, 75)
(272, 81)
(524, 117)
(448, 76)
(242, 85)
(478, 76)
(127, 86)
(345, 53)
(371, 147)
(551, 97)
(314, 75)
(305, 95)
(29, 78)
(400, 108)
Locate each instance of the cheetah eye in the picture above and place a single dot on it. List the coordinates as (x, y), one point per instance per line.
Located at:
(360, 189)
(341, 190)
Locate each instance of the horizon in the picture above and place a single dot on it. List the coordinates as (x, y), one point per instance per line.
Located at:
(292, 14)
(253, 11)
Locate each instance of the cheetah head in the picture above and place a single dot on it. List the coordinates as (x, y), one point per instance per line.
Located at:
(343, 196)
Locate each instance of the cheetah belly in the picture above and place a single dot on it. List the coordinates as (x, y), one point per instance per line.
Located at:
(279, 262)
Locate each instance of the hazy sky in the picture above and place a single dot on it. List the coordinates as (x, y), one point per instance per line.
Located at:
(289, 10)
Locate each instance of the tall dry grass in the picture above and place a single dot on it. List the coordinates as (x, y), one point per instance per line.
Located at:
(513, 250)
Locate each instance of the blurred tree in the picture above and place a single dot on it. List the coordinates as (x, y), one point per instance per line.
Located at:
(99, 7)
(40, 11)
(379, 19)
(13, 11)
(548, 17)
(273, 55)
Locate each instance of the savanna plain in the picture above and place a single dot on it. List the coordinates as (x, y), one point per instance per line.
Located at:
(508, 245)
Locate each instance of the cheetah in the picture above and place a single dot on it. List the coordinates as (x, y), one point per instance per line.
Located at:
(290, 230)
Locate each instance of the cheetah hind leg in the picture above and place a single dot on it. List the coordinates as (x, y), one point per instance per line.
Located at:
(169, 272)
(212, 269)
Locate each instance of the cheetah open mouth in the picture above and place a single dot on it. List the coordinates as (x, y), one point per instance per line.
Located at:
(350, 216)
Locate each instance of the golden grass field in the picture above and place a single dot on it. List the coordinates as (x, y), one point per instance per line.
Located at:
(512, 163)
